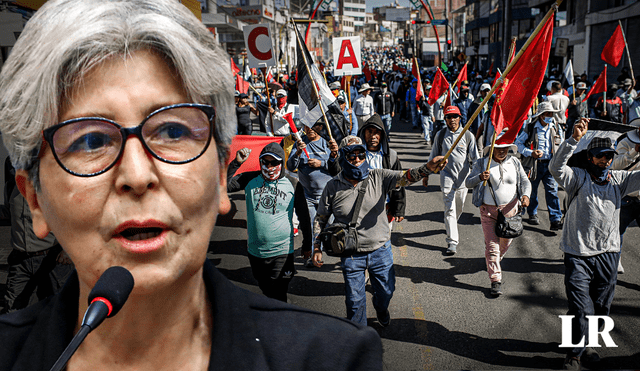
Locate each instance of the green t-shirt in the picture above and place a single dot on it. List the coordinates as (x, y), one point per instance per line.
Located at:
(269, 217)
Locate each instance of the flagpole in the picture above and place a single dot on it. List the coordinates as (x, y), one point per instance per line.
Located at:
(535, 33)
(257, 92)
(628, 55)
(512, 50)
(604, 94)
(348, 80)
(266, 86)
(315, 88)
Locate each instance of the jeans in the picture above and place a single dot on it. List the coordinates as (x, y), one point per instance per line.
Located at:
(426, 127)
(550, 193)
(590, 283)
(453, 204)
(629, 211)
(379, 263)
(415, 115)
(387, 119)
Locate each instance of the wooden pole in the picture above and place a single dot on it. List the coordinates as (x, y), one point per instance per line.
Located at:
(315, 88)
(628, 53)
(501, 79)
(512, 50)
(348, 79)
(266, 86)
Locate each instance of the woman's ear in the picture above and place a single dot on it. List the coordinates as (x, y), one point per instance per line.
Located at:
(26, 188)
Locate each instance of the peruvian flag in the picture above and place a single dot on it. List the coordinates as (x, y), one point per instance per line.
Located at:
(415, 71)
(439, 87)
(612, 52)
(462, 76)
(523, 81)
(599, 86)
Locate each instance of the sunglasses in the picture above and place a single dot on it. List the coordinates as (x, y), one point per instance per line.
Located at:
(353, 156)
(607, 155)
(268, 163)
(451, 117)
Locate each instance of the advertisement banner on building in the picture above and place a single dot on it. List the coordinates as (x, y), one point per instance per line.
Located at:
(398, 15)
(260, 52)
(346, 53)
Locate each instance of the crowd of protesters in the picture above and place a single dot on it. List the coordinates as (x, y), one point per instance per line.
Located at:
(310, 181)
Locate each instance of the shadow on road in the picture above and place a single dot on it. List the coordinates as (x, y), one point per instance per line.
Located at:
(496, 352)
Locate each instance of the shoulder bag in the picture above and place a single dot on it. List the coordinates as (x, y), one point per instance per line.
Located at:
(339, 239)
(510, 227)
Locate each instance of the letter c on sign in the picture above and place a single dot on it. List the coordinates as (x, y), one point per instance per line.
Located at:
(253, 36)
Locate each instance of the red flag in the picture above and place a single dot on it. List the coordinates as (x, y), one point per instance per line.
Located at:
(447, 102)
(269, 77)
(490, 69)
(367, 73)
(439, 86)
(255, 143)
(294, 129)
(242, 85)
(415, 71)
(523, 82)
(462, 76)
(395, 67)
(612, 52)
(599, 86)
(496, 79)
(234, 68)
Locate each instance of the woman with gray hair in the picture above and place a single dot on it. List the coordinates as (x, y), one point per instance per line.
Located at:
(118, 116)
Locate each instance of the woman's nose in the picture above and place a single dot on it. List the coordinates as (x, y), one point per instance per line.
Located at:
(136, 168)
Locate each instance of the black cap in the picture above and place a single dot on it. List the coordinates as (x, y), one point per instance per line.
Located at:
(243, 95)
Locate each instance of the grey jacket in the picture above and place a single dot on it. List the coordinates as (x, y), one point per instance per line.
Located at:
(592, 221)
(473, 180)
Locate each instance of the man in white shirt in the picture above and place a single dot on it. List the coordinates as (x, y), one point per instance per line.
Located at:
(559, 101)
(363, 106)
(280, 125)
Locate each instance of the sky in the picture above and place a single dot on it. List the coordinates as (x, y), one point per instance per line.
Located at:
(378, 3)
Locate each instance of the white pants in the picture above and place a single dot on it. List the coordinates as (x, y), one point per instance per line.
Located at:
(453, 204)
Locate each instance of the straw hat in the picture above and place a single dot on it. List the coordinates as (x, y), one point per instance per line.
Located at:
(544, 107)
(364, 87)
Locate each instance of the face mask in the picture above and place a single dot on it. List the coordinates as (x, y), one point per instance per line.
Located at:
(547, 120)
(270, 174)
(281, 101)
(597, 172)
(353, 172)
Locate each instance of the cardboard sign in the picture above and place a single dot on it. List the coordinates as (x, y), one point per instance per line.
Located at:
(260, 52)
(346, 55)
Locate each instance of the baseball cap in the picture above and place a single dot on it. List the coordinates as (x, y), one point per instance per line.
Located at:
(484, 87)
(451, 110)
(601, 144)
(281, 93)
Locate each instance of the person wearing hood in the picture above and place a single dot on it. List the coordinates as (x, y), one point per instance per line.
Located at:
(507, 189)
(271, 200)
(537, 144)
(280, 124)
(611, 110)
(591, 238)
(374, 252)
(453, 176)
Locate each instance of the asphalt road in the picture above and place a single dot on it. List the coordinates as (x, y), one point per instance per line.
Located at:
(442, 314)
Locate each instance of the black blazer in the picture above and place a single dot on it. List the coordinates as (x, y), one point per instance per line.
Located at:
(250, 332)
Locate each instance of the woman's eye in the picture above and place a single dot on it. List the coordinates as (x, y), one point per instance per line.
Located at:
(90, 142)
(173, 131)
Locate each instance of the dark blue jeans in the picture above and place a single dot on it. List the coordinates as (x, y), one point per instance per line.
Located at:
(550, 193)
(383, 281)
(590, 283)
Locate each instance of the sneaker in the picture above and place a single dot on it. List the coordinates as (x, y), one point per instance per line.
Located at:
(451, 250)
(533, 219)
(556, 226)
(571, 363)
(590, 355)
(496, 289)
(384, 319)
(620, 268)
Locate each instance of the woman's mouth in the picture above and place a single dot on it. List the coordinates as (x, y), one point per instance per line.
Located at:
(141, 237)
(137, 234)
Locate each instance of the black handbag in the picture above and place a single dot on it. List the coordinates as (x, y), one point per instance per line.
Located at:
(510, 227)
(339, 239)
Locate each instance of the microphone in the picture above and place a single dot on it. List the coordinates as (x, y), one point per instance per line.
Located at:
(105, 300)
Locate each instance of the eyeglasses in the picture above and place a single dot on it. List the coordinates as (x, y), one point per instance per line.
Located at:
(90, 146)
(451, 117)
(268, 163)
(353, 156)
(607, 155)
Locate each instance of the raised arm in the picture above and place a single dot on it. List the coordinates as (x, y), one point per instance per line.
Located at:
(563, 174)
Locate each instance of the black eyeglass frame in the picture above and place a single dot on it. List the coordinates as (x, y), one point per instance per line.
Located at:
(352, 156)
(48, 134)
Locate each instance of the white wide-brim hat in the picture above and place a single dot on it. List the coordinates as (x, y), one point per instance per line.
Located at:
(633, 135)
(511, 146)
(544, 107)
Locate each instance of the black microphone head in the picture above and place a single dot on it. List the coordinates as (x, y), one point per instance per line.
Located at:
(114, 286)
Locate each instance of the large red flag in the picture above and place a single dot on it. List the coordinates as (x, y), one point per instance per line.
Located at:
(462, 76)
(523, 81)
(255, 143)
(612, 52)
(242, 85)
(599, 86)
(439, 86)
(415, 71)
(234, 68)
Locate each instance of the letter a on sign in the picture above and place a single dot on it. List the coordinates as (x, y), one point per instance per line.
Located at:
(347, 57)
(259, 46)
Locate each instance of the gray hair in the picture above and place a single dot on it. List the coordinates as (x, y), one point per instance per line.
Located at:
(65, 39)
(349, 140)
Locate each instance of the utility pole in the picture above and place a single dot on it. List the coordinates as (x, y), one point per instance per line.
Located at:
(506, 26)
